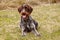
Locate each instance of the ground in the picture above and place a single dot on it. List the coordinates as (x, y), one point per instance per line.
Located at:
(48, 17)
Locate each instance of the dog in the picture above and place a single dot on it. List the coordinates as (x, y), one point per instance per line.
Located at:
(27, 24)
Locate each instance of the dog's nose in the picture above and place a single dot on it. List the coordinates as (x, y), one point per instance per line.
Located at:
(23, 13)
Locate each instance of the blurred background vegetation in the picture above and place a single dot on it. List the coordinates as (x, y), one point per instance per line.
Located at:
(45, 12)
(4, 4)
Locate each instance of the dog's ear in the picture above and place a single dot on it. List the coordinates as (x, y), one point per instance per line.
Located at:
(31, 9)
(20, 9)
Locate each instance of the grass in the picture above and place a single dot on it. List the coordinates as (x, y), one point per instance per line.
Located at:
(48, 17)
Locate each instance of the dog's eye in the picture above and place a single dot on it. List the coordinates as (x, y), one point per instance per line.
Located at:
(25, 7)
(27, 10)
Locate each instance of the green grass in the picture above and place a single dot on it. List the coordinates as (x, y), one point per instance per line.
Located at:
(48, 17)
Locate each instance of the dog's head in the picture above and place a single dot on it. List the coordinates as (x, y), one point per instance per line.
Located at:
(25, 10)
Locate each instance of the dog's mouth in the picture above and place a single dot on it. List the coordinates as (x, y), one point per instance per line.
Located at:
(24, 15)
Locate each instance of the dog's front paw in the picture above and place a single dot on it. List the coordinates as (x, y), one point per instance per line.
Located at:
(37, 35)
(23, 34)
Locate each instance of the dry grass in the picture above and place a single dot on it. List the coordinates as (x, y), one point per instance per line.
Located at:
(48, 17)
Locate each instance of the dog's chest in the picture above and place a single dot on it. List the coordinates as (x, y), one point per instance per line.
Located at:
(27, 23)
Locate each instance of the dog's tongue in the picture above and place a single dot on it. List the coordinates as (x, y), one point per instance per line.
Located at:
(24, 16)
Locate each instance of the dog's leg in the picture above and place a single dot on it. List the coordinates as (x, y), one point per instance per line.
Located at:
(23, 33)
(34, 30)
(28, 26)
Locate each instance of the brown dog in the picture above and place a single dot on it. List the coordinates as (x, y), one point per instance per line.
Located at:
(27, 24)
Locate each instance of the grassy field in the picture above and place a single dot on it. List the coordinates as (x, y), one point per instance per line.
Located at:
(48, 17)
